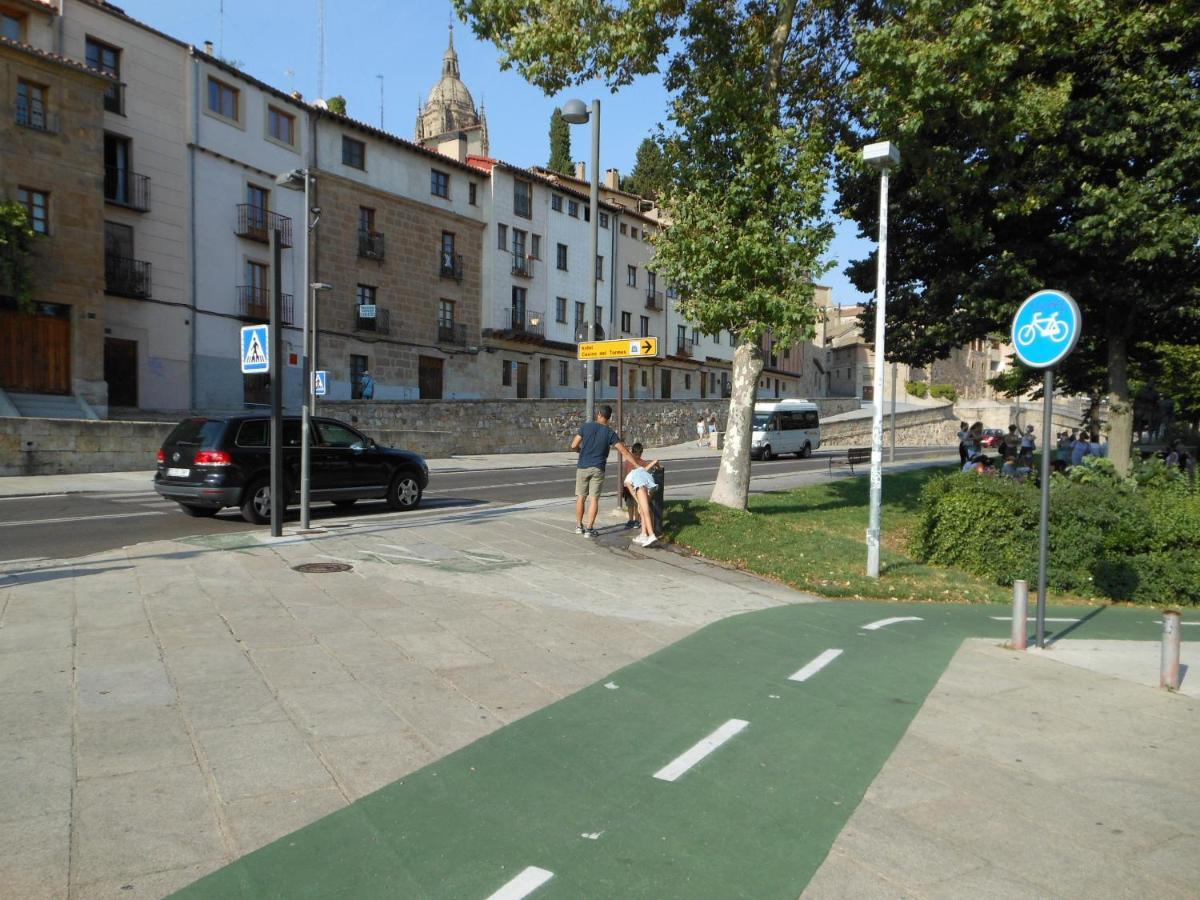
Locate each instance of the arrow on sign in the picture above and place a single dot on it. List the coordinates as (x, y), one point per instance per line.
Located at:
(646, 345)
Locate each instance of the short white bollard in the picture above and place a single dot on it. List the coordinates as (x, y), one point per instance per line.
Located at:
(1169, 674)
(1020, 627)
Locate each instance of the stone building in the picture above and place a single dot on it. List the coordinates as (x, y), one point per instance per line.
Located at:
(52, 163)
(449, 121)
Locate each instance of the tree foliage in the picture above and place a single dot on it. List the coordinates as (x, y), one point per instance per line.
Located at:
(337, 104)
(560, 145)
(651, 173)
(16, 247)
(1046, 144)
(1179, 378)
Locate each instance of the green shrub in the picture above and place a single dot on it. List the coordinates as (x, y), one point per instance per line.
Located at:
(1127, 539)
(917, 388)
(943, 392)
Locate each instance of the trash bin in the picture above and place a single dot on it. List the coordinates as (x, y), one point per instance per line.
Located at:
(656, 499)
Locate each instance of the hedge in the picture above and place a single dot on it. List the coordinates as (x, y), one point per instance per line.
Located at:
(1135, 539)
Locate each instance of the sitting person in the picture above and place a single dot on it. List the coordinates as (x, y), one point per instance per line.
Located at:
(640, 483)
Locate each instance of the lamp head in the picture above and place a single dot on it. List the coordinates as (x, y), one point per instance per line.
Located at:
(293, 180)
(320, 286)
(883, 155)
(575, 112)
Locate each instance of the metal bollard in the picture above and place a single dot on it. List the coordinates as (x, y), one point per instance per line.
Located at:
(1169, 673)
(1020, 627)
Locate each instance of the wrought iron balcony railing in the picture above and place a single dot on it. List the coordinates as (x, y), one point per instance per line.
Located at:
(684, 348)
(126, 188)
(452, 333)
(451, 266)
(126, 277)
(522, 265)
(370, 244)
(523, 322)
(380, 323)
(654, 300)
(256, 223)
(254, 303)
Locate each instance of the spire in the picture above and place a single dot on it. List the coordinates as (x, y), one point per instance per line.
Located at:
(450, 59)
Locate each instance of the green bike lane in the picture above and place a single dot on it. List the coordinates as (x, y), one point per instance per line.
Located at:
(571, 790)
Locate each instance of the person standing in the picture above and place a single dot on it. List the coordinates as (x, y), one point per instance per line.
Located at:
(592, 442)
(700, 431)
(963, 433)
(1028, 445)
(367, 384)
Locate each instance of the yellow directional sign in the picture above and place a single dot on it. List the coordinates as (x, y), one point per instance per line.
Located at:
(623, 349)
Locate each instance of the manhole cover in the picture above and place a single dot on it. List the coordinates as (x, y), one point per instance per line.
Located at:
(322, 568)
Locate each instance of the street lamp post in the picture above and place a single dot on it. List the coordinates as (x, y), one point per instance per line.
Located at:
(882, 156)
(576, 113)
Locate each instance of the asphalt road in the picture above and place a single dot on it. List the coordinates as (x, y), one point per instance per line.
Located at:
(65, 526)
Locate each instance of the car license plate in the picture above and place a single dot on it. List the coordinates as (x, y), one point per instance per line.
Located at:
(178, 473)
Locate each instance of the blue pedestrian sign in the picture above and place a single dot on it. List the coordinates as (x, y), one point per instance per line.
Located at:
(256, 356)
(320, 380)
(1045, 328)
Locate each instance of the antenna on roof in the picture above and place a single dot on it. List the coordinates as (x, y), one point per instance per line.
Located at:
(380, 77)
(320, 48)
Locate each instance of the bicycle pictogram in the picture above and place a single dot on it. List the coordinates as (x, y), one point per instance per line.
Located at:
(1046, 326)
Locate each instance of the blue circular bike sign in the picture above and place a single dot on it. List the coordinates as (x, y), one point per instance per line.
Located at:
(1045, 328)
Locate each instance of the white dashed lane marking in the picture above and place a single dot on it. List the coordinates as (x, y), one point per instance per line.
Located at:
(815, 666)
(530, 879)
(883, 623)
(678, 766)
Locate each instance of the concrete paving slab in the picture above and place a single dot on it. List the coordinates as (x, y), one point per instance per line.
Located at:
(123, 742)
(256, 821)
(145, 886)
(244, 700)
(364, 763)
(112, 687)
(337, 710)
(262, 758)
(1135, 661)
(36, 636)
(36, 670)
(299, 666)
(35, 714)
(34, 856)
(36, 777)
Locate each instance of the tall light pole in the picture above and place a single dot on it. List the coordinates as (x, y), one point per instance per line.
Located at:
(882, 156)
(576, 113)
(296, 180)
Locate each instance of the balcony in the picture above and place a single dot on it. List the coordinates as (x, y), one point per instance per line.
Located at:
(452, 333)
(380, 323)
(126, 188)
(114, 99)
(370, 244)
(522, 265)
(126, 277)
(520, 325)
(654, 300)
(254, 304)
(256, 224)
(32, 113)
(451, 266)
(684, 348)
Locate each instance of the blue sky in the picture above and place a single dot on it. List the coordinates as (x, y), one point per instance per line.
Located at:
(403, 41)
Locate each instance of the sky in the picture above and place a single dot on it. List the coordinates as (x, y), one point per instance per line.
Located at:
(403, 41)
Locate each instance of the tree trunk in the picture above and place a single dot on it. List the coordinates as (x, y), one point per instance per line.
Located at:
(1120, 406)
(733, 478)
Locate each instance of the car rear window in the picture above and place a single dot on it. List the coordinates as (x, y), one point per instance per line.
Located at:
(201, 432)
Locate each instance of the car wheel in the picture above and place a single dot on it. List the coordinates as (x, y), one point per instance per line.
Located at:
(766, 453)
(404, 492)
(806, 452)
(198, 512)
(345, 504)
(256, 503)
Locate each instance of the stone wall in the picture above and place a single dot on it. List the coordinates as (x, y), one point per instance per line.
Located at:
(70, 446)
(934, 427)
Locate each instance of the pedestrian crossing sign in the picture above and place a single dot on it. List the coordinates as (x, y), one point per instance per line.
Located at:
(255, 349)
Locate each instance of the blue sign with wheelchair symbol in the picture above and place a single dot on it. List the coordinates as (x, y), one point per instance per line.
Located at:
(1045, 328)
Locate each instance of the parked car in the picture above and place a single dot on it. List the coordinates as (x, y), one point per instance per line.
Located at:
(209, 463)
(992, 438)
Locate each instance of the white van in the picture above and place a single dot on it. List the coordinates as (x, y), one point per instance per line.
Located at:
(785, 426)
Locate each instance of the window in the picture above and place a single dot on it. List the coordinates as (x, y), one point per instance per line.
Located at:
(556, 202)
(358, 368)
(572, 208)
(560, 309)
(117, 181)
(354, 153)
(687, 381)
(37, 208)
(651, 282)
(643, 377)
(518, 306)
(223, 99)
(563, 373)
(535, 246)
(579, 308)
(439, 184)
(523, 199)
(449, 257)
(732, 340)
(518, 247)
(333, 434)
(31, 105)
(364, 295)
(603, 220)
(587, 214)
(643, 326)
(696, 337)
(712, 382)
(612, 376)
(624, 230)
(562, 257)
(472, 191)
(446, 314)
(599, 268)
(633, 233)
(502, 237)
(108, 60)
(680, 335)
(366, 219)
(599, 314)
(631, 276)
(626, 322)
(12, 26)
(281, 126)
(506, 368)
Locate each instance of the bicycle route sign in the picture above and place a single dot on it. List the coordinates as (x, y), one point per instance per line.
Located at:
(1045, 328)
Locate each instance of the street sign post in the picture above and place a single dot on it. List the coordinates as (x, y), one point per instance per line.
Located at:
(320, 382)
(1044, 331)
(622, 349)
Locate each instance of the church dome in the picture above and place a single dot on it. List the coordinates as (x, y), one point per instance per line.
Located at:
(450, 105)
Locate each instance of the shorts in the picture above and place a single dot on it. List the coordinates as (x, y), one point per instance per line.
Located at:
(640, 478)
(589, 482)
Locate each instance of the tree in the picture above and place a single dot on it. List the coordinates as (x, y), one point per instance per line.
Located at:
(1047, 144)
(651, 172)
(560, 145)
(1179, 379)
(337, 104)
(745, 148)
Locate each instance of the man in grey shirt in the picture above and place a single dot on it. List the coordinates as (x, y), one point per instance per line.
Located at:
(592, 442)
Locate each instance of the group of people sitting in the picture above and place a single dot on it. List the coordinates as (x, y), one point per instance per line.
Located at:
(1015, 450)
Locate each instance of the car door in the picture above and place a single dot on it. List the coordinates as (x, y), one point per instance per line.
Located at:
(353, 467)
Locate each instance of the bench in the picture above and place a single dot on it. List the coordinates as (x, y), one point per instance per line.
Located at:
(853, 455)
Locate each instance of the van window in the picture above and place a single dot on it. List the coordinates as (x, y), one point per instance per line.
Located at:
(760, 420)
(811, 419)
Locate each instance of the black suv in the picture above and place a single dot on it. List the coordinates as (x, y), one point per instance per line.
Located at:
(206, 464)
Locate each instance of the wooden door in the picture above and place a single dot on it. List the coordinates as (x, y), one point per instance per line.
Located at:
(429, 377)
(544, 378)
(120, 371)
(35, 350)
(522, 380)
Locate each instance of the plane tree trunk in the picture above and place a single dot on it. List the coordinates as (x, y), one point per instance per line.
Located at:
(733, 478)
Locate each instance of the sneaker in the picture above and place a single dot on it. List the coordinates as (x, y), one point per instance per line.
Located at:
(591, 532)
(632, 523)
(579, 529)
(650, 541)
